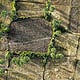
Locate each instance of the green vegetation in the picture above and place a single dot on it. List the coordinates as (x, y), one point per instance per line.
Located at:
(13, 10)
(52, 50)
(8, 55)
(2, 71)
(1, 61)
(20, 60)
(3, 13)
(48, 11)
(3, 27)
(22, 57)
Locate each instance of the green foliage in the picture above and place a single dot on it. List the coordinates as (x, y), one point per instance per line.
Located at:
(53, 56)
(53, 50)
(3, 13)
(56, 24)
(8, 55)
(16, 60)
(59, 56)
(1, 61)
(49, 47)
(13, 11)
(13, 14)
(25, 56)
(4, 28)
(56, 56)
(26, 53)
(57, 33)
(24, 59)
(48, 10)
(2, 71)
(44, 61)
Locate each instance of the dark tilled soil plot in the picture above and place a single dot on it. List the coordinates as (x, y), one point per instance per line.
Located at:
(30, 34)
